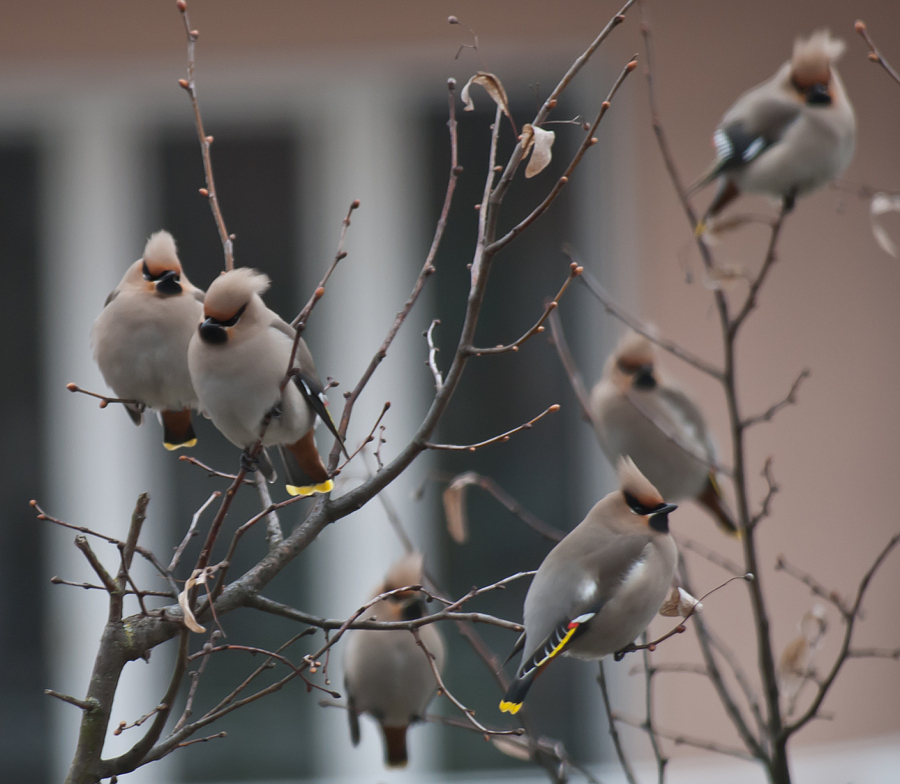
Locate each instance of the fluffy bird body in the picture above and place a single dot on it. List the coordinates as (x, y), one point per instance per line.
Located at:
(141, 338)
(790, 135)
(386, 673)
(600, 587)
(638, 413)
(238, 359)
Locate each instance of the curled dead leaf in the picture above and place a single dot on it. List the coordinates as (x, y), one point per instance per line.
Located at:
(493, 87)
(511, 747)
(882, 203)
(540, 143)
(455, 506)
(679, 604)
(794, 658)
(198, 577)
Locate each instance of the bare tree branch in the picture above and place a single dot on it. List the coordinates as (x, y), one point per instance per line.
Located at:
(874, 54)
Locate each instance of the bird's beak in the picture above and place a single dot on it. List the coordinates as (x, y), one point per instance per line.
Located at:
(212, 332)
(818, 94)
(665, 509)
(168, 284)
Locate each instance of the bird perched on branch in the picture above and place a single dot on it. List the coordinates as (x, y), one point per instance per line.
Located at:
(787, 136)
(638, 413)
(141, 338)
(238, 359)
(386, 673)
(600, 587)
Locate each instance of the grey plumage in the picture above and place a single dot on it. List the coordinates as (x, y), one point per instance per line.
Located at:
(788, 136)
(639, 413)
(238, 359)
(386, 674)
(600, 587)
(141, 337)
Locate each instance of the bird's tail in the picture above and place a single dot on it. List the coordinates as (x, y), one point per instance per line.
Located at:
(178, 431)
(135, 412)
(711, 499)
(305, 473)
(515, 694)
(353, 717)
(395, 746)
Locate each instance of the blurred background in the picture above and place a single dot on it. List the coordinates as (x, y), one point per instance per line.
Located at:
(313, 105)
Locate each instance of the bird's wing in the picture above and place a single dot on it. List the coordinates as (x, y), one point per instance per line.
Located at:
(556, 642)
(691, 417)
(577, 578)
(745, 135)
(680, 408)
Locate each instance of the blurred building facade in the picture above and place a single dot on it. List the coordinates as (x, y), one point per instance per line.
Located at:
(312, 107)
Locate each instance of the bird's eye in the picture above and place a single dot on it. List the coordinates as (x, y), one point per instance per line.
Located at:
(170, 274)
(634, 505)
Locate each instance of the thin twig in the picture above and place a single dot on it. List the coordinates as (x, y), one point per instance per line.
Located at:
(299, 323)
(442, 689)
(209, 191)
(274, 534)
(285, 611)
(710, 555)
(611, 307)
(589, 141)
(751, 742)
(558, 339)
(42, 515)
(680, 628)
(649, 726)
(104, 400)
(550, 307)
(873, 653)
(426, 272)
(369, 438)
(613, 730)
(192, 530)
(874, 54)
(788, 400)
(772, 489)
(85, 705)
(210, 471)
(502, 438)
(81, 543)
(850, 620)
(817, 588)
(680, 739)
(511, 504)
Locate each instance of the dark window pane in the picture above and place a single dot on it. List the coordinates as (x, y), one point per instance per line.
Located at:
(23, 709)
(255, 171)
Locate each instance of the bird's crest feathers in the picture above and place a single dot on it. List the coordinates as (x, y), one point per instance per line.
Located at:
(406, 571)
(813, 57)
(160, 254)
(634, 350)
(232, 290)
(632, 481)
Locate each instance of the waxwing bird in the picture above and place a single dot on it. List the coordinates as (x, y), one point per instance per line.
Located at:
(638, 413)
(787, 136)
(141, 338)
(386, 673)
(238, 358)
(600, 587)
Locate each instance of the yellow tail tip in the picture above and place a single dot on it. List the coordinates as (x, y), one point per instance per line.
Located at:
(510, 707)
(700, 228)
(324, 487)
(186, 444)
